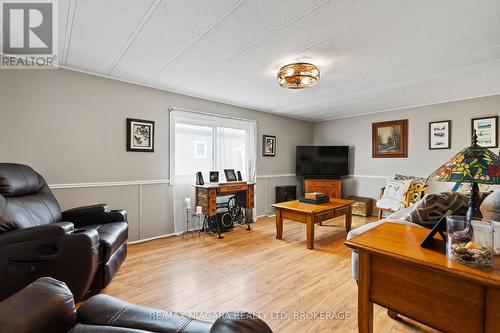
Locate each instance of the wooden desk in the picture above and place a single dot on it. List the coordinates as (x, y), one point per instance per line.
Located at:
(206, 197)
(311, 215)
(422, 284)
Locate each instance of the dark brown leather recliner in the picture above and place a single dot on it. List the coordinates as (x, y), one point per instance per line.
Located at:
(47, 306)
(84, 247)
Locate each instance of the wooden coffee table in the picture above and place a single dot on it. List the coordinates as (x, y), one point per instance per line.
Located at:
(423, 284)
(311, 215)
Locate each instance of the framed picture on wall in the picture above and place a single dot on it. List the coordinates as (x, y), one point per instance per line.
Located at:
(390, 139)
(440, 134)
(486, 130)
(140, 135)
(268, 145)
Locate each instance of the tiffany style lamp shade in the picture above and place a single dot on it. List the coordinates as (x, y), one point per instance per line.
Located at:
(474, 164)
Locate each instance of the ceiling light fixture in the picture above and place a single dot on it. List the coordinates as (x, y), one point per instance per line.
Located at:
(298, 75)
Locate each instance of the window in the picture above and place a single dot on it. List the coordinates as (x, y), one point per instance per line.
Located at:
(200, 149)
(202, 142)
(188, 159)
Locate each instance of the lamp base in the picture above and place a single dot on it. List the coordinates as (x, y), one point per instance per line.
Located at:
(473, 211)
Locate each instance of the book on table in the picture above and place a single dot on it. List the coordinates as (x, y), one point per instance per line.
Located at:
(317, 201)
(314, 195)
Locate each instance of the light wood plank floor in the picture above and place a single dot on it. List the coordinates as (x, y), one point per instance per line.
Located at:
(252, 271)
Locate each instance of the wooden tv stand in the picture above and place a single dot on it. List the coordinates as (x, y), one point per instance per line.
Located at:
(330, 187)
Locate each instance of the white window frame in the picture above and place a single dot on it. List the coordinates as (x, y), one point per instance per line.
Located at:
(178, 115)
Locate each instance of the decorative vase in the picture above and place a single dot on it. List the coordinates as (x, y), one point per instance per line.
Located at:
(469, 242)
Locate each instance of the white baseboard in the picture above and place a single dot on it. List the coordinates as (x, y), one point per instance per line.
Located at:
(140, 241)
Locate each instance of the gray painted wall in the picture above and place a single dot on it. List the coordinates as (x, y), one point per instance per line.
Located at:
(370, 173)
(71, 128)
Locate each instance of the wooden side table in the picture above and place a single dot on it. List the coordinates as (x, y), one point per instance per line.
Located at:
(422, 284)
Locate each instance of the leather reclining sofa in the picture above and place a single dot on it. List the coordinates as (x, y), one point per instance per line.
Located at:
(84, 247)
(47, 306)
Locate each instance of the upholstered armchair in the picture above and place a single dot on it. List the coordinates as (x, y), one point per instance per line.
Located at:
(400, 192)
(84, 247)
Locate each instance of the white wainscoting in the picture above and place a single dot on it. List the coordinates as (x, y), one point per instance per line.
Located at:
(266, 190)
(149, 203)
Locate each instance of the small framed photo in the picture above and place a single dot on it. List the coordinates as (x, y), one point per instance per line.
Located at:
(230, 175)
(486, 130)
(199, 178)
(440, 134)
(268, 145)
(390, 139)
(140, 135)
(214, 176)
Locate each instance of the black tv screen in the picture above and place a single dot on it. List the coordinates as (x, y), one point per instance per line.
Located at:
(326, 161)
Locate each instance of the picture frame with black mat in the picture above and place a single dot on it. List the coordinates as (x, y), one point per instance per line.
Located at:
(486, 130)
(440, 135)
(214, 176)
(230, 175)
(268, 145)
(140, 135)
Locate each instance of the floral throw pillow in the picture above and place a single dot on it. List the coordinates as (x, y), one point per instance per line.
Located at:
(416, 183)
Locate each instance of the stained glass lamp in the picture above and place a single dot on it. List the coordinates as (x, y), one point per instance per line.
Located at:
(474, 164)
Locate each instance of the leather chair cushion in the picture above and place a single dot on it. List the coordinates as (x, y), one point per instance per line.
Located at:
(44, 306)
(79, 328)
(109, 311)
(108, 269)
(17, 180)
(28, 211)
(239, 322)
(111, 237)
(25, 199)
(114, 263)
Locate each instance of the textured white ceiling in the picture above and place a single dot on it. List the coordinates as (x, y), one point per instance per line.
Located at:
(374, 55)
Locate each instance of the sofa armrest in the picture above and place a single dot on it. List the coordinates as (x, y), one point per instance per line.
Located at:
(109, 311)
(55, 250)
(239, 322)
(85, 210)
(52, 230)
(46, 305)
(104, 310)
(93, 214)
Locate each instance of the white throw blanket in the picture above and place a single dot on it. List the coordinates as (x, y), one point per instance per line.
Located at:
(397, 217)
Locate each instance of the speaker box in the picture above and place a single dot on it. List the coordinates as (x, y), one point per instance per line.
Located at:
(286, 193)
(225, 221)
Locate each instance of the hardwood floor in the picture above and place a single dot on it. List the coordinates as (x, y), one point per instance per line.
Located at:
(252, 271)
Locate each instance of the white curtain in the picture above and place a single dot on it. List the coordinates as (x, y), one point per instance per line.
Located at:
(207, 142)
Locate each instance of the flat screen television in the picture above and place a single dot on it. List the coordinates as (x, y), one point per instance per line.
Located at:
(322, 161)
